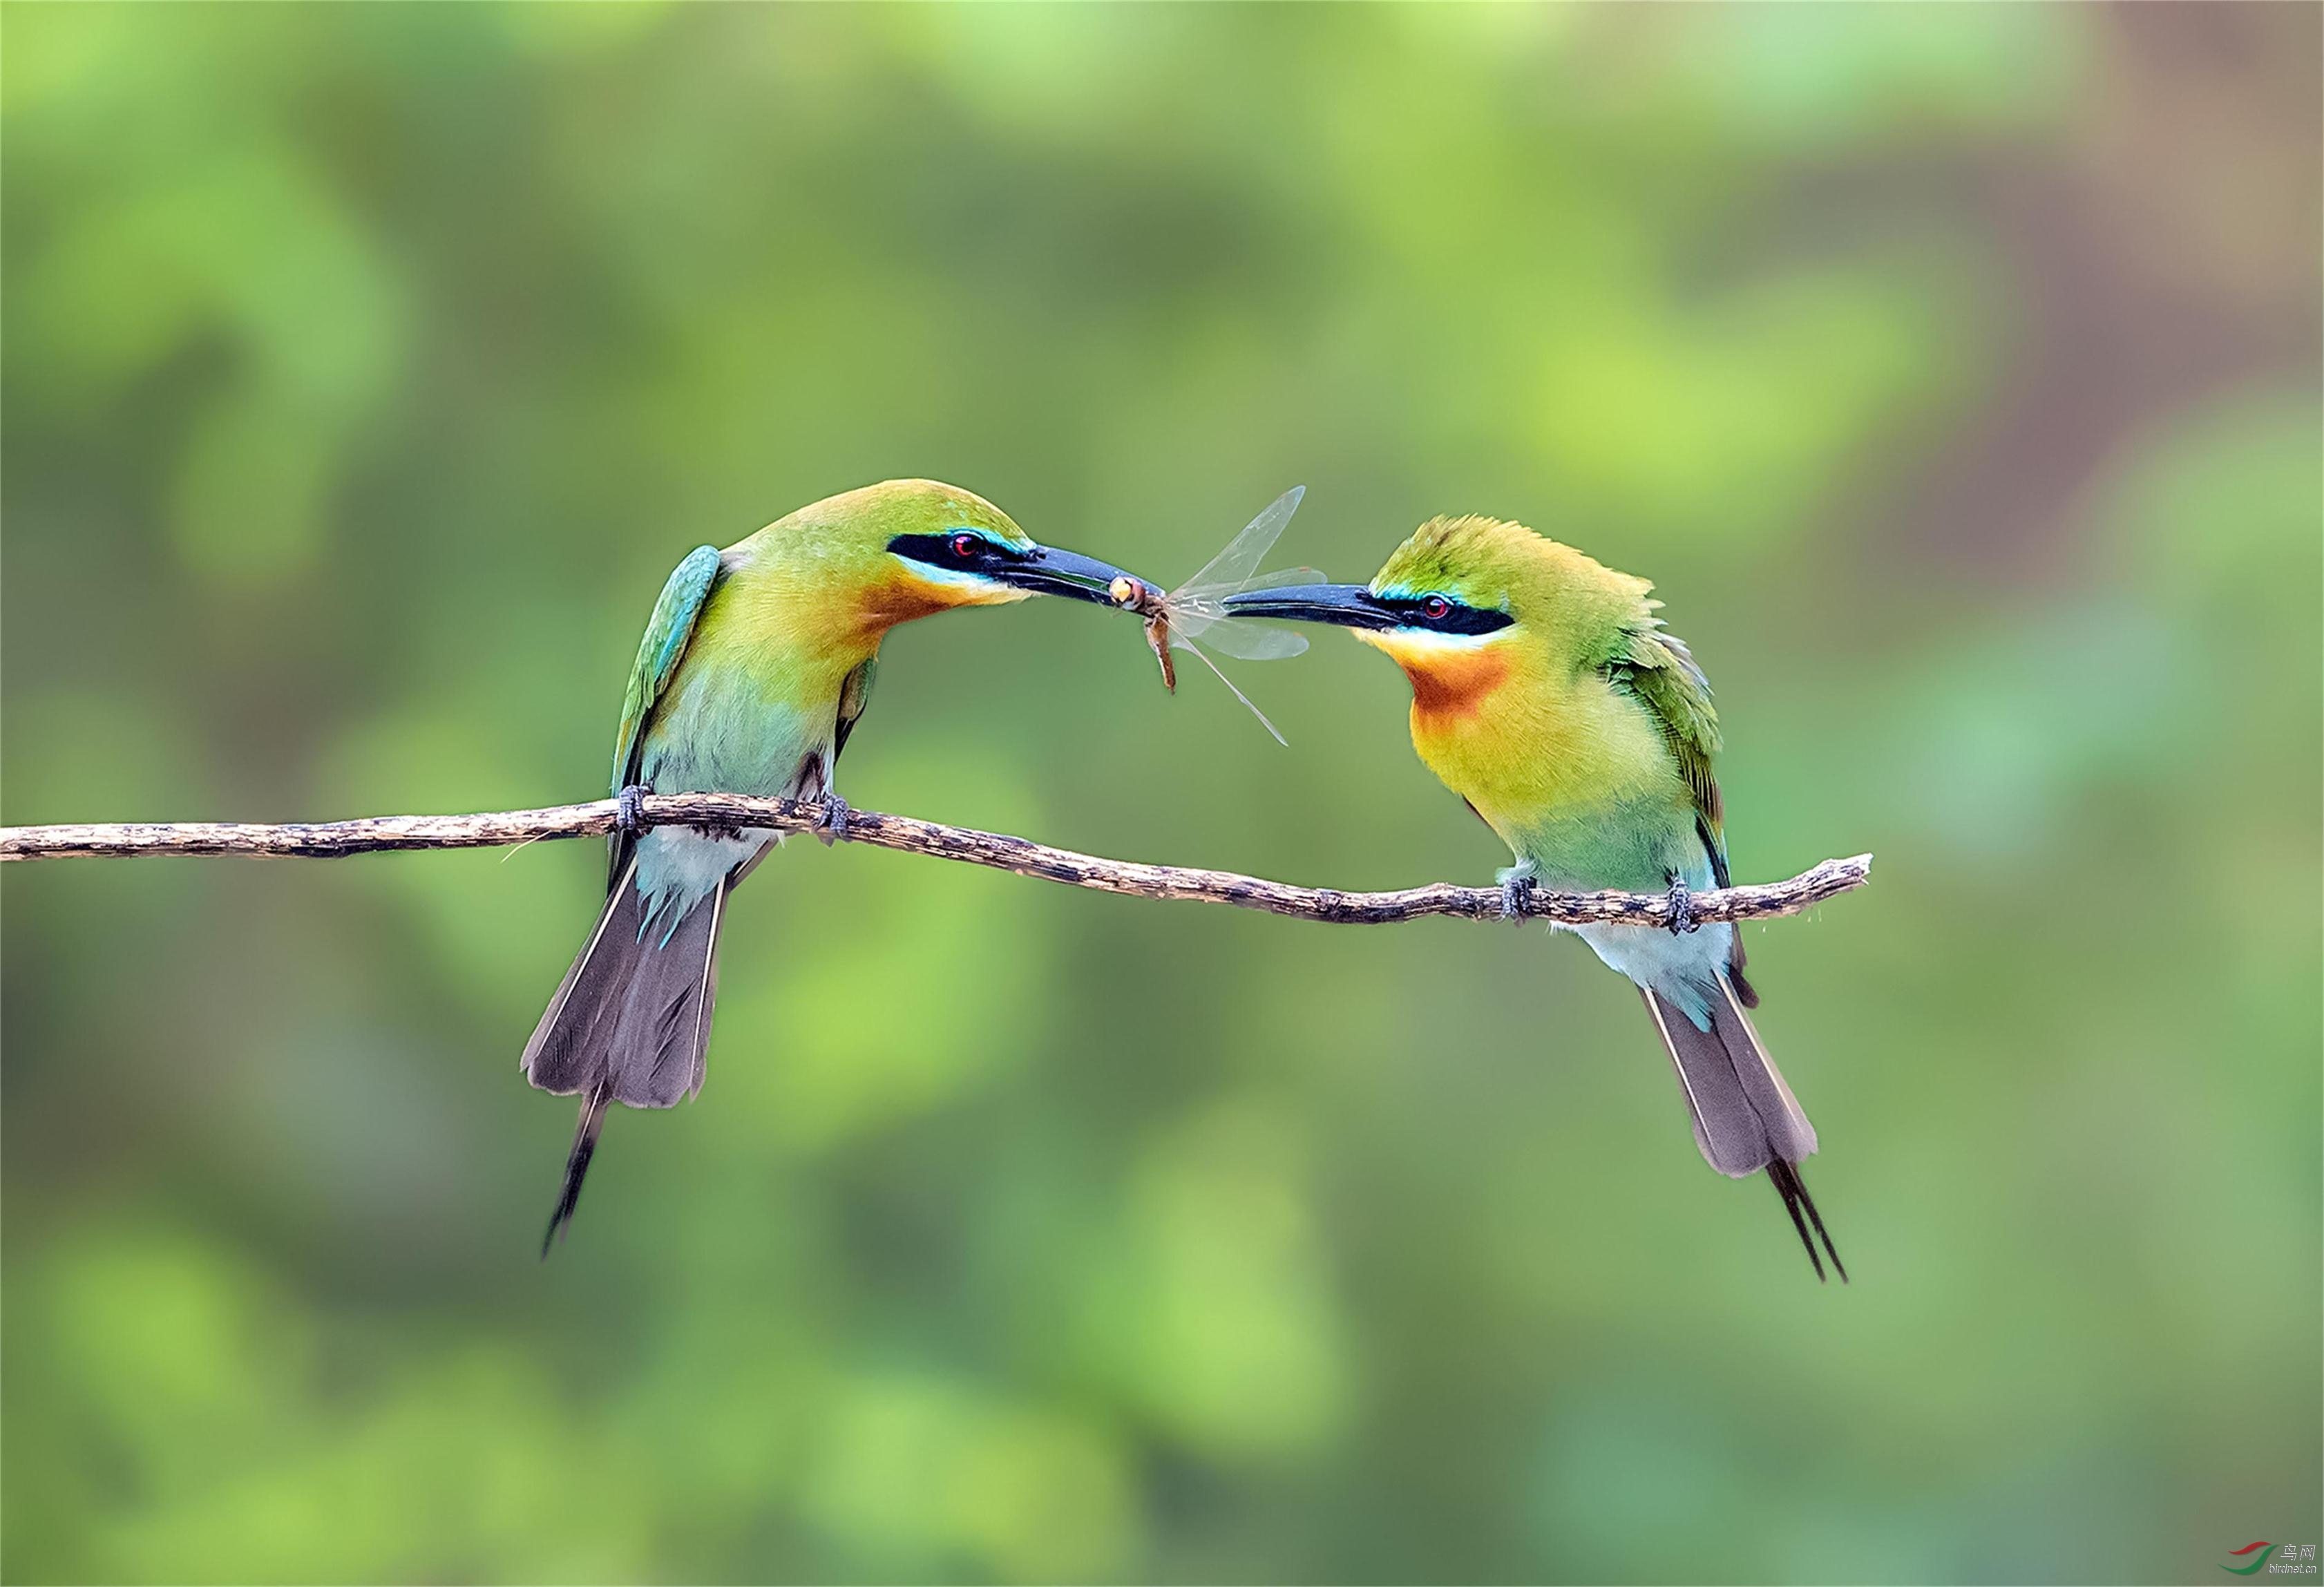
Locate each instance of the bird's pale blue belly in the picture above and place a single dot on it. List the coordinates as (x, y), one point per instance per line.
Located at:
(1636, 847)
(721, 734)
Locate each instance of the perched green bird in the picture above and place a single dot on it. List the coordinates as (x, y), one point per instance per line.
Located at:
(1547, 695)
(753, 673)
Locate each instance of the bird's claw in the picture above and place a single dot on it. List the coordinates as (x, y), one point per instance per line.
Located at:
(833, 827)
(1682, 908)
(629, 809)
(1517, 893)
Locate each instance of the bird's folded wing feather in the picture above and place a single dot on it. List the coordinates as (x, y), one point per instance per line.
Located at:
(658, 654)
(1660, 673)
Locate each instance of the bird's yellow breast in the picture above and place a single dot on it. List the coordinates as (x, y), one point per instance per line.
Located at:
(1522, 740)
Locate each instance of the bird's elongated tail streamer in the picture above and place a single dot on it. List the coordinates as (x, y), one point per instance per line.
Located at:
(1745, 1116)
(576, 1164)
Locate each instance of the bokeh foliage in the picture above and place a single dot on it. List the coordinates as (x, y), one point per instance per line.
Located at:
(1952, 369)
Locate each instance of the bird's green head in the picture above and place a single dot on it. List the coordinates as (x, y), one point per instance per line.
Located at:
(1464, 601)
(911, 548)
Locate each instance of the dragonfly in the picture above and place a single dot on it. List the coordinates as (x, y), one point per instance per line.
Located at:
(1197, 608)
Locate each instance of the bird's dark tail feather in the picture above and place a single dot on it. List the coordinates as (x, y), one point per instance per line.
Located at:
(1796, 1200)
(1745, 1116)
(630, 1020)
(576, 1165)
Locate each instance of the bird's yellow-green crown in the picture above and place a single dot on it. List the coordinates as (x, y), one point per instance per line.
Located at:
(862, 522)
(1545, 585)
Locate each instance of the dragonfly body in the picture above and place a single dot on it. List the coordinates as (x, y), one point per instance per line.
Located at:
(1132, 594)
(1160, 639)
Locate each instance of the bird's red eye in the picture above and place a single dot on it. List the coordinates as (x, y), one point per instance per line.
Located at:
(963, 545)
(1436, 608)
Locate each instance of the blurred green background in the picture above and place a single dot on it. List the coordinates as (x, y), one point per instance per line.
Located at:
(1953, 371)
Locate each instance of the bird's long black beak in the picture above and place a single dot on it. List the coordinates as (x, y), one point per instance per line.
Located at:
(1048, 571)
(1346, 606)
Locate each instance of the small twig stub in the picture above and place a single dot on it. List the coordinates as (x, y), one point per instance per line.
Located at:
(998, 851)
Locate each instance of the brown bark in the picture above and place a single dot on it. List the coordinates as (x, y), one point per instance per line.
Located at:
(998, 851)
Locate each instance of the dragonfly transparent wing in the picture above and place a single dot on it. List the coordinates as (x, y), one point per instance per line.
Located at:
(1232, 568)
(1223, 677)
(1235, 637)
(1198, 606)
(1208, 601)
(1205, 613)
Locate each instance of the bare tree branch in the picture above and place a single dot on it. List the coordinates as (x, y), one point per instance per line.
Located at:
(1002, 853)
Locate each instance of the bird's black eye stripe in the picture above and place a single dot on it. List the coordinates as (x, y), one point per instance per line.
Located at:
(1443, 614)
(957, 547)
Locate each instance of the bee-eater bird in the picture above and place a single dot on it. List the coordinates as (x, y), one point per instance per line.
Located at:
(754, 670)
(1547, 695)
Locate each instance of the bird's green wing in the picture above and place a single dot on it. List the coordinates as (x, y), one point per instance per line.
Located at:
(1660, 673)
(658, 654)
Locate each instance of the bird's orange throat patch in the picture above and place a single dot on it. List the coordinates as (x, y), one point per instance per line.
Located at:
(904, 594)
(1451, 676)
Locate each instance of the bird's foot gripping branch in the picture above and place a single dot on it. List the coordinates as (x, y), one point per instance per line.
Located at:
(997, 851)
(629, 809)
